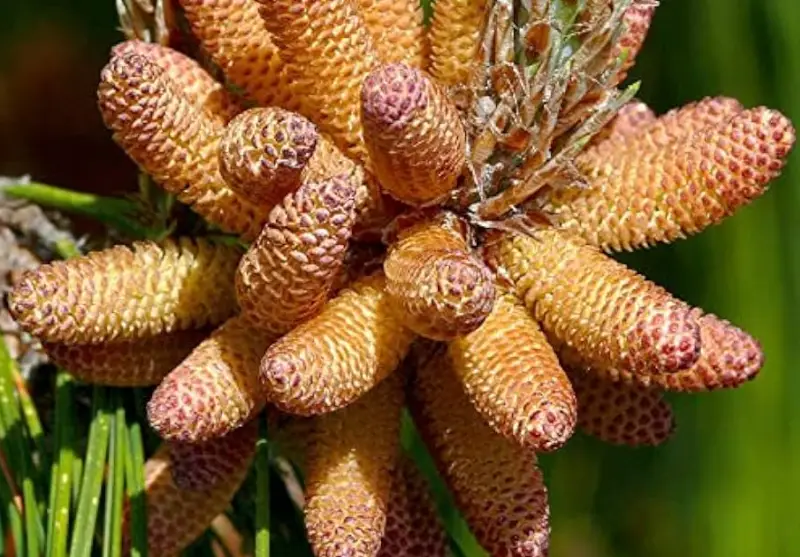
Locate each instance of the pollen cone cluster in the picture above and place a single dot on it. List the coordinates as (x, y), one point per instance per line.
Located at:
(427, 214)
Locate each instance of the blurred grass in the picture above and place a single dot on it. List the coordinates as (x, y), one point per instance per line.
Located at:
(727, 485)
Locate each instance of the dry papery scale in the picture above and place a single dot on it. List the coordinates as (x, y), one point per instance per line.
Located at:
(427, 223)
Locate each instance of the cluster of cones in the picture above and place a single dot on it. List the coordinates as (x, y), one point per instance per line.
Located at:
(384, 269)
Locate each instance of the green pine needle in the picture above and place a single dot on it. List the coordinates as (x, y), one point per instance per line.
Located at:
(262, 490)
(93, 475)
(134, 472)
(62, 476)
(117, 456)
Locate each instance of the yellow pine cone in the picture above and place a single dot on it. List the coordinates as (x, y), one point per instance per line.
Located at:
(496, 483)
(287, 274)
(513, 377)
(440, 290)
(374, 211)
(728, 358)
(454, 36)
(652, 134)
(213, 391)
(233, 35)
(333, 359)
(350, 469)
(203, 466)
(196, 84)
(397, 30)
(414, 135)
(610, 315)
(631, 120)
(263, 153)
(175, 516)
(412, 528)
(329, 53)
(622, 414)
(124, 293)
(126, 363)
(647, 196)
(637, 20)
(172, 139)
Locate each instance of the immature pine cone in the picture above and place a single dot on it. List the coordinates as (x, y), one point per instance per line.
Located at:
(349, 478)
(126, 363)
(232, 33)
(495, 482)
(397, 30)
(213, 391)
(125, 293)
(604, 311)
(285, 277)
(455, 34)
(263, 153)
(336, 357)
(440, 289)
(414, 135)
(512, 376)
(175, 516)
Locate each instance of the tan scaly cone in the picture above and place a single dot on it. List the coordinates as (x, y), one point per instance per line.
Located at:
(350, 469)
(127, 363)
(237, 41)
(286, 276)
(213, 391)
(192, 80)
(439, 288)
(652, 193)
(125, 293)
(414, 135)
(512, 376)
(336, 357)
(495, 482)
(604, 311)
(397, 30)
(621, 414)
(728, 358)
(172, 139)
(454, 36)
(175, 516)
(263, 153)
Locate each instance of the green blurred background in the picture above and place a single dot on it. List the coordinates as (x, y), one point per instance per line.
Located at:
(728, 484)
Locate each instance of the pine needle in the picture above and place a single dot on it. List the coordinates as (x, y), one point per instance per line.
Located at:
(262, 490)
(93, 473)
(61, 475)
(117, 456)
(134, 472)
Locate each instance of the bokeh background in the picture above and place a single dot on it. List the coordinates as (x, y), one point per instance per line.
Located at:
(728, 484)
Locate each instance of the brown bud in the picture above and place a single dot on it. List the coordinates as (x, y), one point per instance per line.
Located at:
(233, 35)
(287, 274)
(213, 391)
(414, 135)
(203, 466)
(263, 153)
(196, 84)
(329, 53)
(439, 288)
(455, 34)
(350, 468)
(658, 190)
(172, 139)
(496, 483)
(126, 363)
(621, 414)
(512, 376)
(175, 516)
(397, 30)
(412, 526)
(596, 306)
(729, 357)
(124, 293)
(333, 359)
